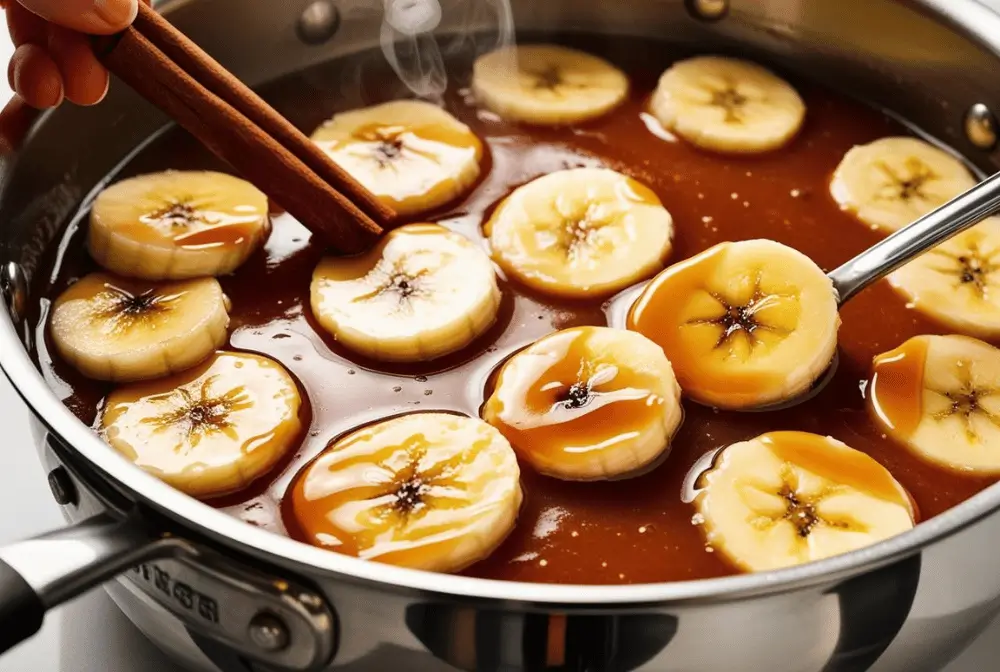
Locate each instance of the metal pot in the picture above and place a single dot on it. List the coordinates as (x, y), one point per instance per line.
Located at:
(218, 594)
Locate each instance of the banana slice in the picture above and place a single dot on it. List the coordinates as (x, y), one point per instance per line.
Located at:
(744, 324)
(111, 328)
(579, 233)
(422, 293)
(727, 105)
(940, 397)
(177, 225)
(588, 403)
(958, 282)
(209, 431)
(787, 498)
(889, 183)
(547, 85)
(412, 155)
(429, 491)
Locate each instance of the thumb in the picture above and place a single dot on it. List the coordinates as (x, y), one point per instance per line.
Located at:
(94, 17)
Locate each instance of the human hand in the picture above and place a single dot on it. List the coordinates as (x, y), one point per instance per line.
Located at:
(53, 58)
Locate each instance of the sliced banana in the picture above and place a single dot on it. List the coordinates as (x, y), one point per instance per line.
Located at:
(587, 403)
(209, 431)
(727, 105)
(547, 85)
(177, 225)
(787, 498)
(422, 293)
(585, 232)
(412, 155)
(744, 324)
(429, 491)
(112, 328)
(940, 397)
(958, 282)
(891, 182)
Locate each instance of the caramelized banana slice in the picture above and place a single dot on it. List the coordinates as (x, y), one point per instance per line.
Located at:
(958, 282)
(209, 431)
(430, 491)
(547, 85)
(111, 328)
(587, 403)
(744, 324)
(580, 233)
(413, 155)
(728, 105)
(177, 225)
(788, 498)
(422, 293)
(891, 182)
(940, 397)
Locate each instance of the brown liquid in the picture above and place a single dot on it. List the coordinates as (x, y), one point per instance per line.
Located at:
(897, 386)
(632, 531)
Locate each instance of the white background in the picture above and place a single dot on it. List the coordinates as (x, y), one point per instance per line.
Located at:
(90, 635)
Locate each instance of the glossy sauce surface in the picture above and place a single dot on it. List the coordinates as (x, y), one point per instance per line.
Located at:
(830, 461)
(632, 531)
(570, 399)
(897, 386)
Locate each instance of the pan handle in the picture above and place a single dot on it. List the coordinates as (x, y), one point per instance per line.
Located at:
(41, 573)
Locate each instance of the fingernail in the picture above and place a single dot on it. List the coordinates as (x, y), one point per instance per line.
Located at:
(116, 14)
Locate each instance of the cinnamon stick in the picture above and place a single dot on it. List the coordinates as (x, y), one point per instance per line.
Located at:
(210, 74)
(260, 158)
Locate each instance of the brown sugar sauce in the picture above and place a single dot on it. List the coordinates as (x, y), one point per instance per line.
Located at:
(633, 531)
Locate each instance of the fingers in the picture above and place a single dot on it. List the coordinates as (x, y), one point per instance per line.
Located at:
(54, 59)
(35, 77)
(85, 80)
(25, 27)
(93, 17)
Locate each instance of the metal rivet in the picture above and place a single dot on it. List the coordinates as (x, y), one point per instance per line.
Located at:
(62, 487)
(318, 23)
(14, 288)
(268, 632)
(707, 10)
(981, 126)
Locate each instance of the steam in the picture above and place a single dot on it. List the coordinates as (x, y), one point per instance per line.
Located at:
(410, 47)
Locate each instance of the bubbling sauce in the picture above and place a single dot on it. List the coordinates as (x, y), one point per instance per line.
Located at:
(632, 531)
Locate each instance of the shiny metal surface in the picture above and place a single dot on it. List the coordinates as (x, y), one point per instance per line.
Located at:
(318, 22)
(63, 564)
(266, 618)
(708, 10)
(981, 126)
(947, 221)
(908, 604)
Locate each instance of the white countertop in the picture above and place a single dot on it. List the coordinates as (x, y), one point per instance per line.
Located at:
(90, 634)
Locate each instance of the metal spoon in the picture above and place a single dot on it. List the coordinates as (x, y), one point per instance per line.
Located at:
(961, 213)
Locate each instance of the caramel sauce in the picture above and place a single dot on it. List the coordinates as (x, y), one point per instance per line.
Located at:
(220, 235)
(631, 531)
(209, 230)
(897, 387)
(398, 492)
(577, 407)
(836, 463)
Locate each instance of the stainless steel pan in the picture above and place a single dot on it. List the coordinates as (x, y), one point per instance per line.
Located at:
(218, 594)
